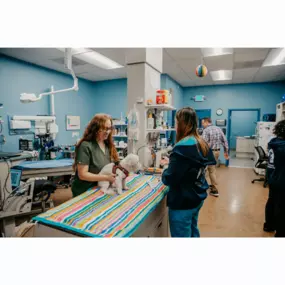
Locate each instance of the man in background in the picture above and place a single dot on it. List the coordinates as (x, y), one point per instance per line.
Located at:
(215, 138)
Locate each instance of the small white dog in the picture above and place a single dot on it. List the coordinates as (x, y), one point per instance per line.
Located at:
(129, 164)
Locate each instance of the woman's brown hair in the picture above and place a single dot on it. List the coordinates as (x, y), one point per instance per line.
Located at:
(95, 125)
(187, 124)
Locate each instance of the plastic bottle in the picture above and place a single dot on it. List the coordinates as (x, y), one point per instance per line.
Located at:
(150, 122)
(165, 98)
(170, 99)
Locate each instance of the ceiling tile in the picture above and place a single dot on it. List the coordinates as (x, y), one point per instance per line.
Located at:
(204, 81)
(223, 82)
(209, 52)
(179, 77)
(116, 54)
(166, 56)
(282, 76)
(223, 62)
(250, 50)
(189, 66)
(184, 53)
(266, 77)
(250, 56)
(241, 81)
(248, 64)
(187, 83)
(120, 71)
(246, 74)
(174, 70)
(18, 53)
(93, 77)
(172, 67)
(268, 72)
(45, 52)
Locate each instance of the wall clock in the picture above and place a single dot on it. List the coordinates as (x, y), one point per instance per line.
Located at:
(219, 112)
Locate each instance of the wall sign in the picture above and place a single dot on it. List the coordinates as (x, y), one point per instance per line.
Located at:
(72, 123)
(199, 98)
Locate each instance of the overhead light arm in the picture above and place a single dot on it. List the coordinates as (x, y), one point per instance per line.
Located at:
(31, 97)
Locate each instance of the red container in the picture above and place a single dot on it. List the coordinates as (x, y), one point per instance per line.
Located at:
(159, 99)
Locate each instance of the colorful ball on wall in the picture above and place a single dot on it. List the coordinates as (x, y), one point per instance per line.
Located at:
(201, 70)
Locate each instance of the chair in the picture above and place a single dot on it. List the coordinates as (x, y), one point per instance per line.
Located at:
(261, 164)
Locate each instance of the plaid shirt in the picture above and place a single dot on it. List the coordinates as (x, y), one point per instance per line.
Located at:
(215, 137)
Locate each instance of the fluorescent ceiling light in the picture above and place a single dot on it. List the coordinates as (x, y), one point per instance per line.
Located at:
(221, 75)
(94, 58)
(275, 57)
(207, 52)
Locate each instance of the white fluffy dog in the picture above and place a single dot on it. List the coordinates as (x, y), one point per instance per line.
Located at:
(129, 164)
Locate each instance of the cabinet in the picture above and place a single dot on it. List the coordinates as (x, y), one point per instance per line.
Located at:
(245, 147)
(280, 112)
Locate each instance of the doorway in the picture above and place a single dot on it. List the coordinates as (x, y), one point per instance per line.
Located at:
(201, 114)
(241, 137)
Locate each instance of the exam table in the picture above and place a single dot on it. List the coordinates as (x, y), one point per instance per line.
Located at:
(139, 212)
(43, 168)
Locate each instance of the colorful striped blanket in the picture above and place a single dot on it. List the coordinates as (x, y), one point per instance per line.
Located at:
(98, 215)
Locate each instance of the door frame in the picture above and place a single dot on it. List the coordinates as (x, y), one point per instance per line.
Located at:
(230, 123)
(209, 110)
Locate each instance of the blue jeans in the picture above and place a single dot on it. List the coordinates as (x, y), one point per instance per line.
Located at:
(184, 223)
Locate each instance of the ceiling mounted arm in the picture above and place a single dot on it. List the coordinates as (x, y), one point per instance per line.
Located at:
(31, 97)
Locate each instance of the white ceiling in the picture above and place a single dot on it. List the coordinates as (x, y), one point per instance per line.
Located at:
(178, 63)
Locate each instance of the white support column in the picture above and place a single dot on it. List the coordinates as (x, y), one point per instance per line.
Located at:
(144, 67)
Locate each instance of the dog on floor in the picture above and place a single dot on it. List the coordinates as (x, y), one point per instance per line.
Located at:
(129, 164)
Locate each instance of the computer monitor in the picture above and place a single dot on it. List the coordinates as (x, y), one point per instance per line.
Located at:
(16, 175)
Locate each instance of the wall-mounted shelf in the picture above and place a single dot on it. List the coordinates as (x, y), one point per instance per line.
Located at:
(121, 147)
(161, 131)
(163, 107)
(120, 136)
(120, 124)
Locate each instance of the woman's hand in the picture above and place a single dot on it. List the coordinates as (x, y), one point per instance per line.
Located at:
(111, 178)
(164, 161)
(85, 175)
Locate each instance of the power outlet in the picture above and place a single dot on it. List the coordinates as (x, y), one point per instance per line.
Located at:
(75, 134)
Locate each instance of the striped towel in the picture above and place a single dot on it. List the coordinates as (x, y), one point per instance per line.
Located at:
(98, 215)
(153, 170)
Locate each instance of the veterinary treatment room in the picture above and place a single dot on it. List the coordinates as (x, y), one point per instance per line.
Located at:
(142, 142)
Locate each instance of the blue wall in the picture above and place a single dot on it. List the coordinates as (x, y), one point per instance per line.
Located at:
(166, 83)
(113, 94)
(255, 95)
(262, 95)
(111, 97)
(17, 77)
